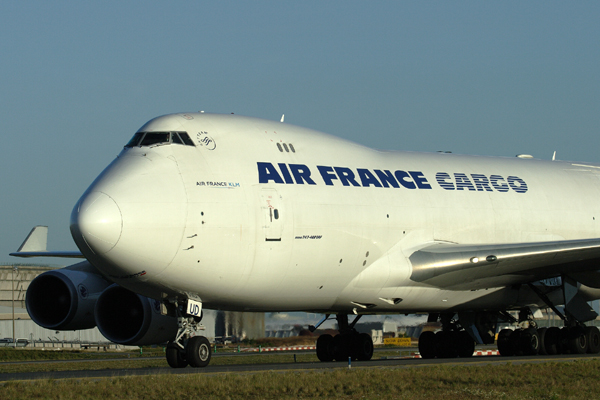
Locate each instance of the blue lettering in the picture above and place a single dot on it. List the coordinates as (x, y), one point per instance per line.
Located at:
(346, 176)
(367, 178)
(285, 173)
(401, 176)
(327, 174)
(441, 178)
(301, 173)
(517, 184)
(420, 180)
(463, 182)
(499, 187)
(481, 182)
(387, 177)
(267, 172)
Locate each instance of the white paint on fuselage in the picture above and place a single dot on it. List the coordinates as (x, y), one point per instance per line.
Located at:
(194, 218)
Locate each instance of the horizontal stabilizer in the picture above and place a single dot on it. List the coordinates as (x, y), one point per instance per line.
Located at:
(35, 246)
(57, 254)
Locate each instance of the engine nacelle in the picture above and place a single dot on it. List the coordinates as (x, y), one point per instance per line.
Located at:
(65, 299)
(127, 318)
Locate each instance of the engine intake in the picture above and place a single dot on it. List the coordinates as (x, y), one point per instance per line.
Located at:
(127, 318)
(64, 299)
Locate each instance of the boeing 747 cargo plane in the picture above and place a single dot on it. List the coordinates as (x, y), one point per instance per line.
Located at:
(236, 213)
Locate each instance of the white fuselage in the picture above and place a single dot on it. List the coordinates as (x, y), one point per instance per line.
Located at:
(261, 215)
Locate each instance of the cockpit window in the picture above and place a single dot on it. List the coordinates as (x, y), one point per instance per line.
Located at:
(152, 138)
(175, 138)
(135, 140)
(155, 138)
(186, 139)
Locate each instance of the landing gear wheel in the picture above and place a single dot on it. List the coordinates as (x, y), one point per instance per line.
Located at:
(325, 348)
(515, 342)
(176, 357)
(342, 345)
(198, 351)
(577, 340)
(465, 344)
(427, 344)
(363, 347)
(530, 342)
(542, 334)
(446, 344)
(552, 340)
(505, 346)
(593, 338)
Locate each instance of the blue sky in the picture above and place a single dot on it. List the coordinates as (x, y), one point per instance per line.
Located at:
(77, 79)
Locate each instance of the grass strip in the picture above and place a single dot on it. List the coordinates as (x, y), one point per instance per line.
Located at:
(273, 358)
(564, 380)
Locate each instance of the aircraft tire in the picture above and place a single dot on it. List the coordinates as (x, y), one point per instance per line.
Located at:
(465, 344)
(446, 344)
(552, 340)
(427, 344)
(542, 334)
(325, 348)
(593, 338)
(505, 346)
(198, 351)
(363, 347)
(176, 357)
(341, 347)
(530, 342)
(577, 340)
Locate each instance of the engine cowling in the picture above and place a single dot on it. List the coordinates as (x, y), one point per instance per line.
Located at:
(65, 299)
(128, 318)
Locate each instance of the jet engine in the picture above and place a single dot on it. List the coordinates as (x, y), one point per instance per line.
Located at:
(127, 318)
(64, 299)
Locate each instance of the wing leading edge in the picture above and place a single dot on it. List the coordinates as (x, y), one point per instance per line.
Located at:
(472, 267)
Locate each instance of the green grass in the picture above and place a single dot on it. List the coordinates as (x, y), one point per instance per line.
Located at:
(92, 364)
(565, 380)
(11, 354)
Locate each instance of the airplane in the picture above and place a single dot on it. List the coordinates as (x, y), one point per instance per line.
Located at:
(228, 212)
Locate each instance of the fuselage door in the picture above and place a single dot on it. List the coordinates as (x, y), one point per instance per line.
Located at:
(271, 206)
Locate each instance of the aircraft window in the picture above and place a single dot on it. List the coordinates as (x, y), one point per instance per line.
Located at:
(186, 139)
(279, 147)
(286, 148)
(175, 138)
(135, 140)
(276, 213)
(153, 138)
(292, 148)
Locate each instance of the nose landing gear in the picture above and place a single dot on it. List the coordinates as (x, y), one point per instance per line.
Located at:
(188, 348)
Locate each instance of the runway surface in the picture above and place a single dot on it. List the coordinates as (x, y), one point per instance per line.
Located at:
(283, 367)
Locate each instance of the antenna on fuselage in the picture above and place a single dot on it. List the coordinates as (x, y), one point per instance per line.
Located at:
(554, 156)
(282, 117)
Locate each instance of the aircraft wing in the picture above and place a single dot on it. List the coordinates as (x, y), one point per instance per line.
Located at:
(35, 246)
(472, 267)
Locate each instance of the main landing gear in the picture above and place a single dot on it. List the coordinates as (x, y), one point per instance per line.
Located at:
(452, 341)
(573, 338)
(347, 344)
(188, 348)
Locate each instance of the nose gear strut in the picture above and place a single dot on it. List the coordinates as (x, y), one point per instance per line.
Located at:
(188, 347)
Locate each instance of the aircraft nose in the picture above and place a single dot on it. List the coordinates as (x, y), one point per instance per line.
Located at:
(97, 220)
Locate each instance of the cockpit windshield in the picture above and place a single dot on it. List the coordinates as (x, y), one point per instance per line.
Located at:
(142, 139)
